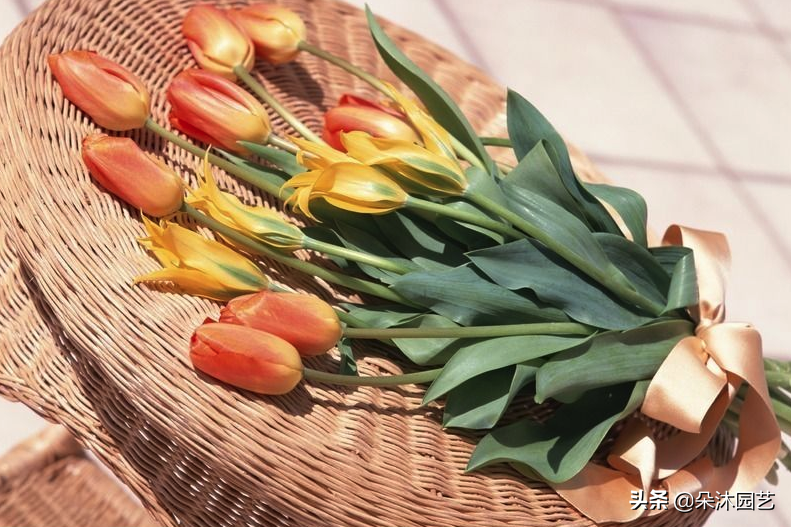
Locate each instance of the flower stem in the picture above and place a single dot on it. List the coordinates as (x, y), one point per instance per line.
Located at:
(283, 144)
(356, 256)
(620, 287)
(281, 110)
(496, 141)
(377, 84)
(257, 179)
(420, 377)
(463, 216)
(548, 328)
(356, 284)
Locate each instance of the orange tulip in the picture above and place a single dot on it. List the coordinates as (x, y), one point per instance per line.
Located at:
(275, 31)
(357, 114)
(112, 96)
(136, 177)
(217, 44)
(308, 323)
(246, 358)
(216, 111)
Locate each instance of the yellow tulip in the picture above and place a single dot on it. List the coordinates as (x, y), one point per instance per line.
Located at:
(435, 138)
(316, 156)
(424, 172)
(197, 265)
(349, 186)
(260, 223)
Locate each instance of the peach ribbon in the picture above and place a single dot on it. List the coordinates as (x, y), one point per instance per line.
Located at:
(691, 391)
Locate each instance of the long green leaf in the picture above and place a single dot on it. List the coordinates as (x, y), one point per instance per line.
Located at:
(526, 264)
(427, 351)
(683, 290)
(467, 298)
(485, 355)
(637, 264)
(420, 241)
(609, 359)
(536, 173)
(558, 449)
(479, 403)
(526, 127)
(347, 366)
(437, 101)
(629, 205)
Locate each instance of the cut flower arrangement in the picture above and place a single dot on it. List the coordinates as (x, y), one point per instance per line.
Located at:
(498, 282)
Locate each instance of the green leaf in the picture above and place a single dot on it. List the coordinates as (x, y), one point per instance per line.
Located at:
(348, 366)
(481, 183)
(286, 161)
(609, 359)
(427, 351)
(437, 101)
(485, 355)
(381, 316)
(638, 265)
(526, 127)
(326, 235)
(473, 236)
(629, 205)
(558, 449)
(480, 402)
(526, 264)
(536, 173)
(419, 240)
(465, 297)
(669, 255)
(354, 238)
(683, 290)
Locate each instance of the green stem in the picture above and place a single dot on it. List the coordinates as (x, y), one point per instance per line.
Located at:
(270, 186)
(619, 287)
(463, 216)
(420, 377)
(778, 379)
(349, 319)
(283, 144)
(281, 110)
(377, 84)
(496, 141)
(549, 328)
(355, 256)
(356, 284)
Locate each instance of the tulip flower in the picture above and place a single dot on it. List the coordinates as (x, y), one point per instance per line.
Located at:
(138, 178)
(112, 96)
(260, 223)
(246, 358)
(423, 171)
(357, 114)
(215, 42)
(306, 322)
(216, 111)
(197, 265)
(275, 31)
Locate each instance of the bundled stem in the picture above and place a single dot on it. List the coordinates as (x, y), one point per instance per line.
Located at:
(356, 284)
(506, 330)
(463, 216)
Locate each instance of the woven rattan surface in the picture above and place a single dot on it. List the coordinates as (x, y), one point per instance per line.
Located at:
(47, 480)
(109, 361)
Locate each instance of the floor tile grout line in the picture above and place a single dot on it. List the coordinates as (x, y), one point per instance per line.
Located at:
(461, 32)
(704, 170)
(777, 38)
(700, 20)
(699, 130)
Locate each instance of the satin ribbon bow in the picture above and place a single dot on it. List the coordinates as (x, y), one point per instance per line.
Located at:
(691, 391)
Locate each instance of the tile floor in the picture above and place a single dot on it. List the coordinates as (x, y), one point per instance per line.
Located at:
(687, 101)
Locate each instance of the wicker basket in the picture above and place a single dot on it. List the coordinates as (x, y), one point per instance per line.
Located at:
(48, 480)
(109, 360)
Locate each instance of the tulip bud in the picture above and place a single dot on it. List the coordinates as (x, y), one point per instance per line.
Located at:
(307, 322)
(216, 111)
(357, 114)
(275, 31)
(215, 42)
(136, 177)
(246, 358)
(112, 96)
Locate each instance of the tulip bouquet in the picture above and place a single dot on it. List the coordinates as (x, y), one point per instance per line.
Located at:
(495, 281)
